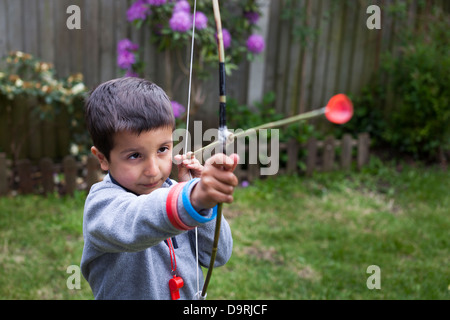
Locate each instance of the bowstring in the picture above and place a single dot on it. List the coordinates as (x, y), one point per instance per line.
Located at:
(187, 127)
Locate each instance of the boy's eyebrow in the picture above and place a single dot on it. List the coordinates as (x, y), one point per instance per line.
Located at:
(129, 150)
(135, 149)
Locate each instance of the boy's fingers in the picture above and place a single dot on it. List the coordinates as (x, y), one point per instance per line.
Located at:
(222, 161)
(235, 158)
(218, 192)
(178, 159)
(220, 177)
(227, 178)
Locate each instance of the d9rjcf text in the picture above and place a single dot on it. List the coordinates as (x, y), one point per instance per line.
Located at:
(248, 310)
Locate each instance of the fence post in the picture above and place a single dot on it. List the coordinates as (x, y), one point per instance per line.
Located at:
(328, 153)
(363, 149)
(346, 155)
(292, 151)
(311, 157)
(24, 172)
(253, 169)
(46, 166)
(70, 174)
(3, 175)
(239, 173)
(93, 168)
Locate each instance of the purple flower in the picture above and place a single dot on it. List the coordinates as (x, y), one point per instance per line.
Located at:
(180, 21)
(182, 5)
(251, 16)
(255, 43)
(178, 109)
(201, 21)
(138, 10)
(126, 45)
(245, 184)
(226, 38)
(126, 59)
(156, 3)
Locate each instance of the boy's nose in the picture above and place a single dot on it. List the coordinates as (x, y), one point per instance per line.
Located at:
(151, 168)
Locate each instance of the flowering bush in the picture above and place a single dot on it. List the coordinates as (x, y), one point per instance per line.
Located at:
(31, 84)
(171, 24)
(24, 75)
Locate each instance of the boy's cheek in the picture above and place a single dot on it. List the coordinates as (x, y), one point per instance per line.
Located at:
(168, 166)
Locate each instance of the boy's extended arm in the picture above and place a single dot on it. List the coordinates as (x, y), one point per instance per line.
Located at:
(118, 221)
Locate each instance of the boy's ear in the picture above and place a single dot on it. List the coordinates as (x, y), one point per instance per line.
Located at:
(104, 164)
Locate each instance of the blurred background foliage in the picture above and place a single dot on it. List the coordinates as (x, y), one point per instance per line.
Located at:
(405, 107)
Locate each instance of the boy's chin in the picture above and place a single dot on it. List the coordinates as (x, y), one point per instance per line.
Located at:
(147, 189)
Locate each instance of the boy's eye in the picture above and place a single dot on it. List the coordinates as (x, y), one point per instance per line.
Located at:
(163, 149)
(134, 156)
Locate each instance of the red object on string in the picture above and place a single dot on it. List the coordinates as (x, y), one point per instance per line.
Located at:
(175, 284)
(339, 109)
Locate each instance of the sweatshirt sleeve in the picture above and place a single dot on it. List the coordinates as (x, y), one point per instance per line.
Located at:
(120, 221)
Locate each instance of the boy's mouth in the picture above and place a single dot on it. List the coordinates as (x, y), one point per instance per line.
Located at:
(150, 185)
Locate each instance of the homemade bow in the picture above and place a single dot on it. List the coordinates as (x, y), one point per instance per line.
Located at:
(222, 135)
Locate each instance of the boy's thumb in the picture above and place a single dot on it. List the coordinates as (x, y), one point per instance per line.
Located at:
(235, 158)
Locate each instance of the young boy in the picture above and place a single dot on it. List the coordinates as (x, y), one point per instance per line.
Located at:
(138, 224)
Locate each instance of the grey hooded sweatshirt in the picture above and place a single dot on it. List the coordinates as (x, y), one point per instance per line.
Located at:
(126, 255)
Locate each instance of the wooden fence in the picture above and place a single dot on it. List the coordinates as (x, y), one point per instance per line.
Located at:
(44, 176)
(321, 156)
(324, 48)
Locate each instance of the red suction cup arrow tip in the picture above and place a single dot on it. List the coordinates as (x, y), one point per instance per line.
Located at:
(339, 109)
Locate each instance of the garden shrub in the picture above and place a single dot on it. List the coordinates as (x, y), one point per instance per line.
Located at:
(406, 106)
(418, 121)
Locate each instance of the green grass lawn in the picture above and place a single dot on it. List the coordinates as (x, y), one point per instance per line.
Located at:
(294, 238)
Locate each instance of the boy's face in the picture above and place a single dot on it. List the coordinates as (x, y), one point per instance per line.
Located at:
(140, 163)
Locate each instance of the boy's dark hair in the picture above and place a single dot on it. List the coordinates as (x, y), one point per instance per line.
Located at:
(130, 104)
